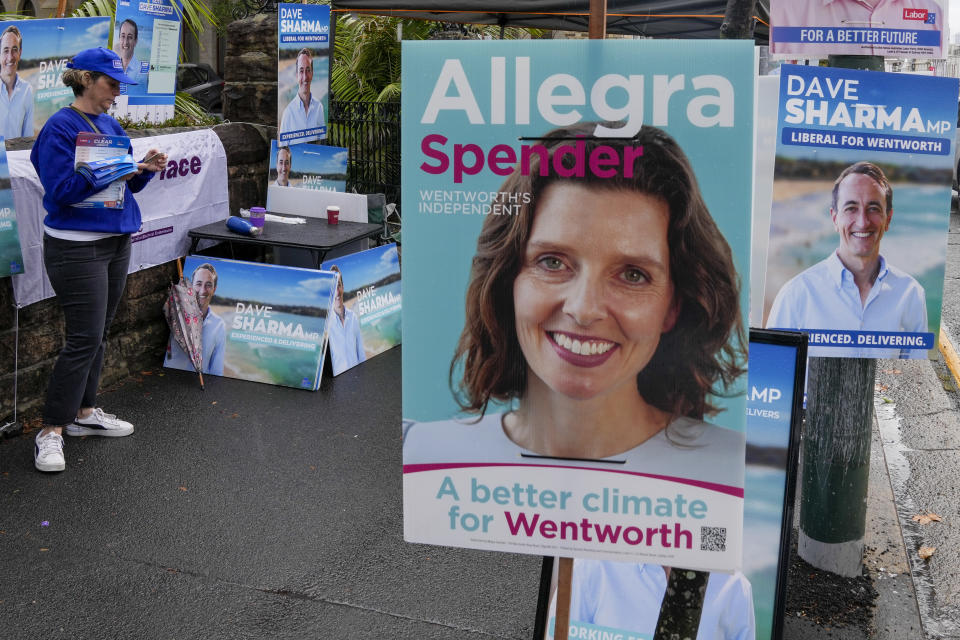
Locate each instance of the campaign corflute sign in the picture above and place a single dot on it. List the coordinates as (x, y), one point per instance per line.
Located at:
(533, 174)
(861, 206)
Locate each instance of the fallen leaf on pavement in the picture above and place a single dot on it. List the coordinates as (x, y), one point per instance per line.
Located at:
(893, 371)
(927, 518)
(183, 488)
(880, 387)
(926, 552)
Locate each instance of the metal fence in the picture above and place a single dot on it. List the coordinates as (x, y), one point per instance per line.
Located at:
(371, 131)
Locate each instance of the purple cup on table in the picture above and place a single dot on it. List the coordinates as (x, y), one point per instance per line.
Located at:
(257, 216)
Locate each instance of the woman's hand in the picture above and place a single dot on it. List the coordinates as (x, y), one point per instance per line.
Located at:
(155, 160)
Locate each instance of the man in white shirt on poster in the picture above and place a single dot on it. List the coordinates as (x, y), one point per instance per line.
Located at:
(304, 111)
(284, 164)
(855, 289)
(16, 95)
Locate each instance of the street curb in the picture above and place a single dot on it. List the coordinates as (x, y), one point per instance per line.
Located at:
(950, 356)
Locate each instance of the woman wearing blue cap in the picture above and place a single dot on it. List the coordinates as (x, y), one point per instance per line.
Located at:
(85, 251)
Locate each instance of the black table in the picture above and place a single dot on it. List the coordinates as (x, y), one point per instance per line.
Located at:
(316, 236)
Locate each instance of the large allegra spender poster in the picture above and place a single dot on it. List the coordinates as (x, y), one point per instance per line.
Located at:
(36, 53)
(303, 71)
(576, 215)
(146, 36)
(261, 322)
(861, 207)
(366, 309)
(818, 28)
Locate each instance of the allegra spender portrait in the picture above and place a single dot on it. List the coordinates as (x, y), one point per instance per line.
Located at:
(603, 314)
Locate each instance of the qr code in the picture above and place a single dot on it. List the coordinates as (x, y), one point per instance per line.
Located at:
(713, 538)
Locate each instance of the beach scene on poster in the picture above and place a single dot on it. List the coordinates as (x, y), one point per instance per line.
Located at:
(898, 28)
(40, 51)
(303, 72)
(261, 322)
(861, 207)
(146, 36)
(622, 600)
(11, 255)
(308, 166)
(562, 392)
(366, 318)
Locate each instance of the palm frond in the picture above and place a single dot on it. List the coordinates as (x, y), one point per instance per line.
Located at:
(94, 9)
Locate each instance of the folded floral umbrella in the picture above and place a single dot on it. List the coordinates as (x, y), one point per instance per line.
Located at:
(182, 312)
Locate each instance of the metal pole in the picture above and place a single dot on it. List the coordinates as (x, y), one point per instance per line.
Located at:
(836, 444)
(836, 464)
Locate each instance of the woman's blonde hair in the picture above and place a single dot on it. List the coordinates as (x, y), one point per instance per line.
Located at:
(73, 78)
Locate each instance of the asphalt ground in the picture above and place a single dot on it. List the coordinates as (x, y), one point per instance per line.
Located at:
(254, 511)
(242, 511)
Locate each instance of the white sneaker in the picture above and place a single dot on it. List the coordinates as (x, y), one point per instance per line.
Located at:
(48, 452)
(99, 423)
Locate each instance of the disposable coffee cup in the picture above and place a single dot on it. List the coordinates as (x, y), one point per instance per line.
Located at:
(257, 216)
(333, 214)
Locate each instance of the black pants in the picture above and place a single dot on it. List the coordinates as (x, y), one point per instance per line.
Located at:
(88, 278)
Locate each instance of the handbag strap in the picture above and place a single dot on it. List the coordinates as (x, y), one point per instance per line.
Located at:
(85, 117)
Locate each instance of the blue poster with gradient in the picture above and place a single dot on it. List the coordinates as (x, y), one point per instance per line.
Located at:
(37, 52)
(11, 256)
(558, 199)
(261, 322)
(366, 318)
(308, 166)
(861, 209)
(303, 72)
(146, 36)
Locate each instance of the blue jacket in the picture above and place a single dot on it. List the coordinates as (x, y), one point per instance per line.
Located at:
(53, 156)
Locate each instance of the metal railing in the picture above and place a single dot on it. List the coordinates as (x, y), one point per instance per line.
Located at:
(371, 131)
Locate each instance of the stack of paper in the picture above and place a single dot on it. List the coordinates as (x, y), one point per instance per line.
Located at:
(104, 159)
(102, 172)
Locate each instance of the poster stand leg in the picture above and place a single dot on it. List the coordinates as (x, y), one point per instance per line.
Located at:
(564, 576)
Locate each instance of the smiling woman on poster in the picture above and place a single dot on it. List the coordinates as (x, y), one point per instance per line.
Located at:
(603, 314)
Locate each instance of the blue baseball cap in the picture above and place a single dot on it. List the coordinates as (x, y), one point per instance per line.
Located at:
(103, 61)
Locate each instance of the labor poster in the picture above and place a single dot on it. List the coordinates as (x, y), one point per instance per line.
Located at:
(146, 36)
(35, 54)
(366, 318)
(303, 72)
(261, 322)
(567, 205)
(897, 28)
(308, 166)
(861, 208)
(11, 256)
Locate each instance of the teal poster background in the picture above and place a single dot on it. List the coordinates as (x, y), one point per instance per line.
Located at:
(438, 247)
(11, 257)
(275, 319)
